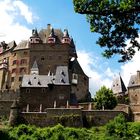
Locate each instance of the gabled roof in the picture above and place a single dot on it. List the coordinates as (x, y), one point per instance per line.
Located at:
(118, 85)
(22, 45)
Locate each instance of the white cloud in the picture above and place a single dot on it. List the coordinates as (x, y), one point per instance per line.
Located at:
(101, 74)
(97, 78)
(24, 10)
(11, 12)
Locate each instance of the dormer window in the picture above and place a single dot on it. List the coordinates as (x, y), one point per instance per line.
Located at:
(62, 80)
(66, 40)
(29, 82)
(51, 40)
(62, 73)
(35, 40)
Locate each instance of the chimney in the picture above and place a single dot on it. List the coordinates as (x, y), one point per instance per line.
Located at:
(49, 26)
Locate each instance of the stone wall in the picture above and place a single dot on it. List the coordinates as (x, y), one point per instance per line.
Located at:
(67, 117)
(99, 117)
(136, 116)
(6, 100)
(9, 95)
(71, 117)
(5, 108)
(135, 108)
(123, 107)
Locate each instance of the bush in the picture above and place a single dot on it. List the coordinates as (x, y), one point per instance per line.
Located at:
(117, 127)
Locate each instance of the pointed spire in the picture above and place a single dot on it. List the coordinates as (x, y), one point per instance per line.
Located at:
(118, 86)
(52, 33)
(35, 69)
(34, 33)
(66, 34)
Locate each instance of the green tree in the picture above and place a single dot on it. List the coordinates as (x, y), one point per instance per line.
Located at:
(116, 21)
(104, 99)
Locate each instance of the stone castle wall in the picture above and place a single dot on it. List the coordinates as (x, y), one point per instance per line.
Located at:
(67, 117)
(71, 117)
(123, 107)
(100, 117)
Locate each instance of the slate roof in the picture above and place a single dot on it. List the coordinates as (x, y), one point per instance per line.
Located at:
(60, 78)
(118, 85)
(8, 46)
(45, 34)
(36, 80)
(22, 45)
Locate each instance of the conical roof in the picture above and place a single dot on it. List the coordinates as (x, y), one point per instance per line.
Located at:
(118, 86)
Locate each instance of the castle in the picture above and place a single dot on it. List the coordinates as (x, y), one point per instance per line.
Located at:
(45, 65)
(45, 80)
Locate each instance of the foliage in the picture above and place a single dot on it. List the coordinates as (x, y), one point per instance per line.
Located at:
(115, 21)
(104, 99)
(117, 129)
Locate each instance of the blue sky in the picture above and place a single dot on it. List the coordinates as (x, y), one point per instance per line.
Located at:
(18, 18)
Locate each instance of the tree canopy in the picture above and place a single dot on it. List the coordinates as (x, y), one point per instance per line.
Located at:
(116, 21)
(104, 99)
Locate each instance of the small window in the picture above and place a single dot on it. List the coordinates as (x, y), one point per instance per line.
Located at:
(75, 76)
(14, 62)
(14, 70)
(27, 90)
(22, 70)
(23, 61)
(42, 58)
(43, 90)
(20, 79)
(12, 79)
(25, 53)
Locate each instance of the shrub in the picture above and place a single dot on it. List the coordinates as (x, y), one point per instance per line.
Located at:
(117, 127)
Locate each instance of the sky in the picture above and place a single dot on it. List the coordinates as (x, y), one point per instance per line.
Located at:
(19, 17)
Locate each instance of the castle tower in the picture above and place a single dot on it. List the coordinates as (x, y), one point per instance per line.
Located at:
(134, 89)
(35, 39)
(66, 39)
(14, 114)
(118, 86)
